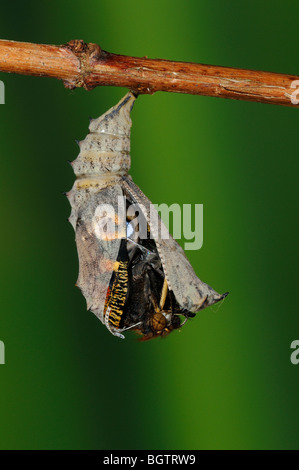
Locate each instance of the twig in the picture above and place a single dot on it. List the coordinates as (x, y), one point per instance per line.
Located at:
(85, 65)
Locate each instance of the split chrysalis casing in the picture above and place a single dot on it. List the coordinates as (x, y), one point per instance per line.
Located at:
(129, 281)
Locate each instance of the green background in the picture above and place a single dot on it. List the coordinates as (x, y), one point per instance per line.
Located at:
(225, 381)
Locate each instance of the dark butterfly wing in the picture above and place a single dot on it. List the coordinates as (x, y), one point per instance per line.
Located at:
(190, 292)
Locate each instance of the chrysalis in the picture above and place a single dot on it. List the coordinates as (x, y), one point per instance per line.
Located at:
(133, 274)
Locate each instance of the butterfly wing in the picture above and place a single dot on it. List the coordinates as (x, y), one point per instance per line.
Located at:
(190, 292)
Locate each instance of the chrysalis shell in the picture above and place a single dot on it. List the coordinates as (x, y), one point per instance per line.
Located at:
(102, 180)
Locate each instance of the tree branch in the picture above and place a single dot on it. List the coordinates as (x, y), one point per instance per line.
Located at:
(85, 65)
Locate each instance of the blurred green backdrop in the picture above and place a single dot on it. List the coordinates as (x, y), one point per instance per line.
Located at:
(226, 381)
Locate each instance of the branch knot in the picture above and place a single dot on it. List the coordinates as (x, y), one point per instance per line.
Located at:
(87, 54)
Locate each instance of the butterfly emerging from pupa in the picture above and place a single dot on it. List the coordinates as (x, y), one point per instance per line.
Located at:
(133, 274)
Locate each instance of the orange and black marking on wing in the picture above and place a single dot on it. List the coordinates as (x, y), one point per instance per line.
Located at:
(118, 288)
